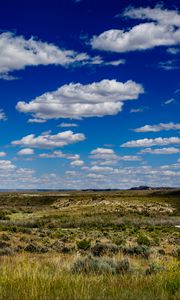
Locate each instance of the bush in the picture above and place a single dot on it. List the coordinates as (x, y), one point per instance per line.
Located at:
(5, 237)
(99, 265)
(99, 249)
(161, 252)
(141, 250)
(4, 244)
(33, 248)
(84, 244)
(6, 251)
(143, 240)
(122, 266)
(57, 246)
(91, 264)
(176, 253)
(3, 215)
(153, 269)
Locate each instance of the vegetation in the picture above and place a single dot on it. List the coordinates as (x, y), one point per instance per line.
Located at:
(90, 245)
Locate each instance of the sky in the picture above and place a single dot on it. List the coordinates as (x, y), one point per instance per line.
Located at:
(89, 94)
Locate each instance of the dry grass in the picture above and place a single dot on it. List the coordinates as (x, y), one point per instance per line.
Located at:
(50, 278)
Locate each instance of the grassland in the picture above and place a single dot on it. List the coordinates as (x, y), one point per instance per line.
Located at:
(90, 245)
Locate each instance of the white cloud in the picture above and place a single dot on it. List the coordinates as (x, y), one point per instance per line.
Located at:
(61, 139)
(64, 125)
(102, 151)
(8, 77)
(26, 151)
(18, 53)
(60, 154)
(136, 110)
(169, 65)
(170, 150)
(152, 142)
(6, 165)
(101, 169)
(173, 50)
(36, 120)
(2, 154)
(162, 28)
(130, 158)
(106, 156)
(2, 115)
(95, 176)
(169, 101)
(158, 14)
(77, 101)
(72, 173)
(115, 62)
(77, 163)
(158, 127)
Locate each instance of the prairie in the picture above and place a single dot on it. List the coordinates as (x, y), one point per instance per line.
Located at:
(90, 245)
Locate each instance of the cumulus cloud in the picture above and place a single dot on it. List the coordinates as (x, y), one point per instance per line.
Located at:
(17, 53)
(152, 142)
(106, 156)
(2, 154)
(76, 100)
(161, 28)
(158, 127)
(60, 154)
(36, 120)
(77, 163)
(60, 139)
(101, 169)
(6, 165)
(26, 151)
(169, 150)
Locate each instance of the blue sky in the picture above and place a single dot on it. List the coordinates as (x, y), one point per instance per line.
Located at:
(89, 94)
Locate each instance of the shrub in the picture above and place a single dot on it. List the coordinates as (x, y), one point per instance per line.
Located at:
(143, 240)
(161, 252)
(5, 237)
(33, 248)
(4, 244)
(6, 251)
(19, 248)
(83, 244)
(141, 250)
(57, 246)
(66, 249)
(99, 249)
(91, 264)
(3, 215)
(176, 253)
(99, 265)
(153, 269)
(122, 266)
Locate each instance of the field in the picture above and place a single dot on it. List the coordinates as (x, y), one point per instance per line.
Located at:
(90, 245)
